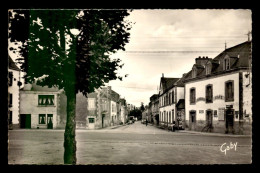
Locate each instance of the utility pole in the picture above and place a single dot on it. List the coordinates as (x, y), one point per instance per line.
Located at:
(248, 35)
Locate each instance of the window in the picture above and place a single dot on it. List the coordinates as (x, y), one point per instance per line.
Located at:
(91, 120)
(42, 119)
(170, 102)
(209, 94)
(46, 100)
(91, 103)
(192, 96)
(172, 96)
(113, 107)
(10, 78)
(229, 91)
(226, 64)
(170, 117)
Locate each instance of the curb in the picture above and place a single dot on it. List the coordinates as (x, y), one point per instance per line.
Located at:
(213, 134)
(205, 133)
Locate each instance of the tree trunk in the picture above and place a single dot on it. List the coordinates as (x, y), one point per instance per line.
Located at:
(70, 133)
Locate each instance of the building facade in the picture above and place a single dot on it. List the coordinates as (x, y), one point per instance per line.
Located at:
(40, 107)
(170, 92)
(101, 109)
(218, 92)
(154, 99)
(14, 84)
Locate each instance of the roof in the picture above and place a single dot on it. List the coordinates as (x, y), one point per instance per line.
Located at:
(239, 56)
(180, 104)
(45, 88)
(168, 83)
(180, 83)
(11, 64)
(115, 96)
(154, 97)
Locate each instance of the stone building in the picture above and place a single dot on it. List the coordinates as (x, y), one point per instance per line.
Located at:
(218, 92)
(154, 99)
(100, 109)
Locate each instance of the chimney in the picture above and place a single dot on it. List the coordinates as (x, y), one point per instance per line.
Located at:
(162, 75)
(202, 60)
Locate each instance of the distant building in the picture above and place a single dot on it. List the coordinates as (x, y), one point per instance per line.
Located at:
(218, 92)
(14, 83)
(101, 109)
(123, 111)
(154, 99)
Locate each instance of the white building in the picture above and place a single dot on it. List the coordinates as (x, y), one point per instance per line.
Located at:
(123, 111)
(170, 92)
(218, 92)
(14, 83)
(39, 107)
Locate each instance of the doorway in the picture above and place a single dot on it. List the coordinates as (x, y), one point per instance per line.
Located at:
(103, 116)
(229, 120)
(192, 120)
(209, 120)
(157, 119)
(50, 121)
(25, 121)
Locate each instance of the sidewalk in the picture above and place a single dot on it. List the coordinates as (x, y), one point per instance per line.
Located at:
(204, 133)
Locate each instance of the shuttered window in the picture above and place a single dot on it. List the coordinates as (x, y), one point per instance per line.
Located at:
(229, 91)
(209, 94)
(46, 100)
(192, 96)
(42, 119)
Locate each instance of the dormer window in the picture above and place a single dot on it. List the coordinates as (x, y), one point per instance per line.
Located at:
(194, 72)
(208, 68)
(226, 65)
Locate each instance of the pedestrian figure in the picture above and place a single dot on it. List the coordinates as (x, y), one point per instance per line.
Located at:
(173, 126)
(146, 122)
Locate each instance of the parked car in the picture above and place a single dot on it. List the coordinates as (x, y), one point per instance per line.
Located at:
(131, 119)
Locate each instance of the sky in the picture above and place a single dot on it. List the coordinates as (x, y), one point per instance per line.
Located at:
(187, 34)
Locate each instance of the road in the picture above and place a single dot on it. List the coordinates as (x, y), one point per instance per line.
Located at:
(130, 144)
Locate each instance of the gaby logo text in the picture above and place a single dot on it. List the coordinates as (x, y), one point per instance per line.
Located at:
(225, 147)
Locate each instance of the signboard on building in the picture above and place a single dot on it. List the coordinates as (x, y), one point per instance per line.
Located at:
(201, 111)
(221, 113)
(219, 97)
(229, 106)
(201, 99)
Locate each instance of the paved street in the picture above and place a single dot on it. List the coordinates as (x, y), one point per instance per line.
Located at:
(129, 144)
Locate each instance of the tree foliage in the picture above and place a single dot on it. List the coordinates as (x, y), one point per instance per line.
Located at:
(80, 62)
